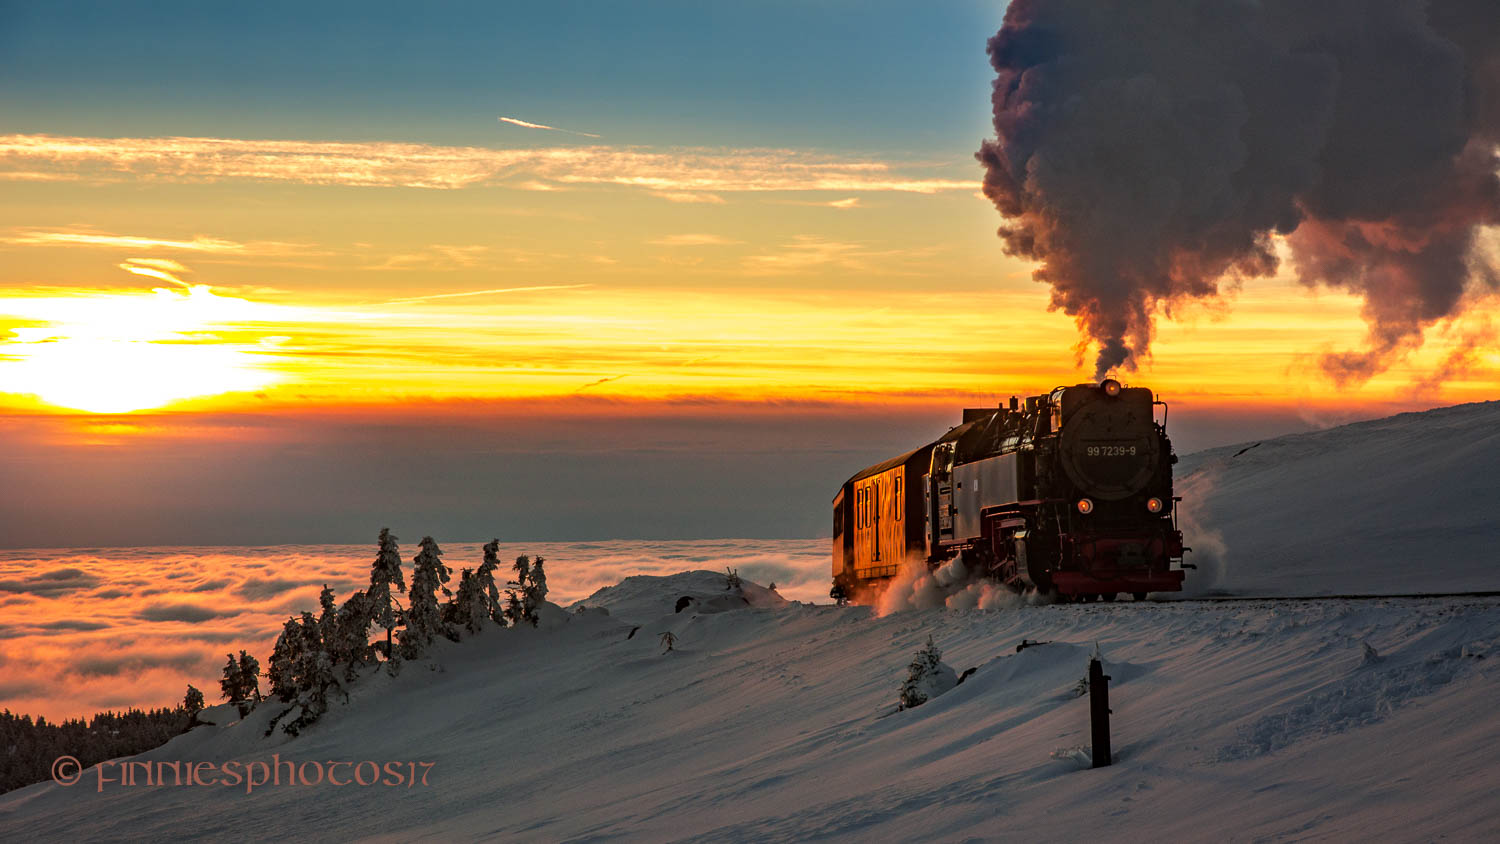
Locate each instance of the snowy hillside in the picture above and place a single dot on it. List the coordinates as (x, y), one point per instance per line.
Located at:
(776, 720)
(1237, 721)
(1410, 503)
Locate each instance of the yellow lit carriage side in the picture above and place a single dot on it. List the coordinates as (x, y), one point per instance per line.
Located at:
(879, 523)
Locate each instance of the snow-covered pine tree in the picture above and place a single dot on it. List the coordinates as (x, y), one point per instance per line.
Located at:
(536, 589)
(328, 618)
(193, 702)
(281, 671)
(249, 677)
(514, 612)
(314, 676)
(927, 677)
(385, 573)
(424, 618)
(519, 610)
(455, 611)
(485, 581)
(470, 606)
(231, 682)
(351, 642)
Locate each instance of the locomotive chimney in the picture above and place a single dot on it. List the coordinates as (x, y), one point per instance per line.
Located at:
(1015, 404)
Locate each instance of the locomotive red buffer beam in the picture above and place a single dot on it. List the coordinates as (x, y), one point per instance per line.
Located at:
(1132, 564)
(1101, 583)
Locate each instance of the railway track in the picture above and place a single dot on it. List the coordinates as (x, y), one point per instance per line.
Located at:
(1241, 598)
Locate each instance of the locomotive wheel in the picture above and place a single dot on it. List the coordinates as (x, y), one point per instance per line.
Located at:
(1110, 596)
(1139, 596)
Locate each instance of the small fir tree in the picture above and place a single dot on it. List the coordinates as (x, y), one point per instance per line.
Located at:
(520, 606)
(281, 672)
(385, 573)
(470, 607)
(351, 638)
(536, 589)
(485, 581)
(231, 683)
(732, 581)
(514, 612)
(926, 677)
(249, 677)
(667, 641)
(193, 702)
(423, 616)
(328, 616)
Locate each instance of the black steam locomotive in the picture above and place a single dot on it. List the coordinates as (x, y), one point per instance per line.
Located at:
(1069, 494)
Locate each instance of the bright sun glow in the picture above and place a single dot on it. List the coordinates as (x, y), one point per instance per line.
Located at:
(115, 353)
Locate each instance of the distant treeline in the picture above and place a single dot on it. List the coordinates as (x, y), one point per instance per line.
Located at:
(28, 747)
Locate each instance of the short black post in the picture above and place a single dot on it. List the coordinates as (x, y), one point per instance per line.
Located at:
(1099, 712)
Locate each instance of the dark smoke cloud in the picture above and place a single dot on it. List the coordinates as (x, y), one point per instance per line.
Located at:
(1148, 151)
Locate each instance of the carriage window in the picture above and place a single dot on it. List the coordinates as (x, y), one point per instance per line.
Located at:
(897, 505)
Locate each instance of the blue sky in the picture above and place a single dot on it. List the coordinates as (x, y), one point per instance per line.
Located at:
(870, 76)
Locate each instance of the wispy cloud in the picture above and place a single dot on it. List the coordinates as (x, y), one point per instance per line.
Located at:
(65, 238)
(664, 172)
(110, 240)
(436, 257)
(841, 204)
(165, 264)
(526, 124)
(693, 240)
(689, 196)
(598, 382)
(156, 268)
(496, 290)
(805, 252)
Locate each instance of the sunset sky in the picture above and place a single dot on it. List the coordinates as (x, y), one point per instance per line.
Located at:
(288, 272)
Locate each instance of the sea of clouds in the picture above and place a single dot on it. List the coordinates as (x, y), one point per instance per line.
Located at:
(86, 630)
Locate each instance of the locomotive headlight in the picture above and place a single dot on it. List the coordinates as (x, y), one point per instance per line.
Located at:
(1153, 504)
(1085, 506)
(1111, 387)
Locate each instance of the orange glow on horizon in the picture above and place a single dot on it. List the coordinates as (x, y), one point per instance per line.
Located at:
(114, 351)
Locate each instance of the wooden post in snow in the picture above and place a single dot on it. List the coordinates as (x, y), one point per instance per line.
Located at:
(1099, 712)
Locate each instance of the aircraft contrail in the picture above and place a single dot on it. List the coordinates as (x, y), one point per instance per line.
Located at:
(524, 124)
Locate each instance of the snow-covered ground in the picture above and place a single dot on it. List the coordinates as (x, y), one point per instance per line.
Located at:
(775, 720)
(1238, 721)
(1409, 503)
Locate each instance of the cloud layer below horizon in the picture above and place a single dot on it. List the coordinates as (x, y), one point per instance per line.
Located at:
(90, 630)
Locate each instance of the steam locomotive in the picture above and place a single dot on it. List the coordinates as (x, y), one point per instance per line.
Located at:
(1067, 493)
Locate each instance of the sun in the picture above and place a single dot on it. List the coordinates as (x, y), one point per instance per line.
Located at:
(123, 352)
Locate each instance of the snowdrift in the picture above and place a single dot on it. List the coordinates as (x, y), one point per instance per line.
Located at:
(1332, 719)
(1406, 504)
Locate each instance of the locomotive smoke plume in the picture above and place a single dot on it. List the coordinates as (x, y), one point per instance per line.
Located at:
(1148, 151)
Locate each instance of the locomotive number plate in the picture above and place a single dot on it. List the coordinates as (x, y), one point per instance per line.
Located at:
(1111, 451)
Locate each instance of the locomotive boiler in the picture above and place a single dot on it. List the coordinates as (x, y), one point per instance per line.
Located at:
(1068, 493)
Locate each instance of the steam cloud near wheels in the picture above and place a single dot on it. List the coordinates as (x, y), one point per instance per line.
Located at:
(1148, 152)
